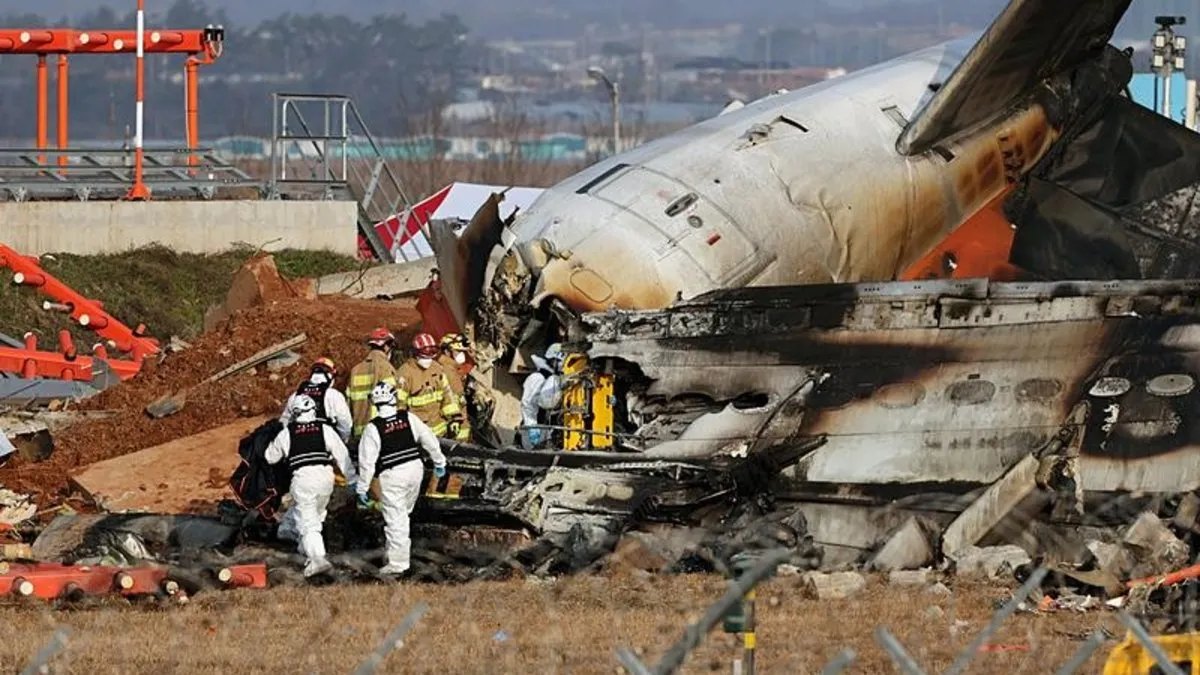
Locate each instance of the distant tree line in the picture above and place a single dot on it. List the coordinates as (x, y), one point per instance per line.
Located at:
(395, 69)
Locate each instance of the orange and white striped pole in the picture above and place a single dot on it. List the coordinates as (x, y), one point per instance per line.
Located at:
(139, 190)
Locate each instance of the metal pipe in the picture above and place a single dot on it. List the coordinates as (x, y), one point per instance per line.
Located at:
(695, 633)
(192, 107)
(1167, 72)
(22, 586)
(139, 191)
(749, 638)
(43, 86)
(63, 115)
(66, 346)
(616, 117)
(93, 322)
(1189, 115)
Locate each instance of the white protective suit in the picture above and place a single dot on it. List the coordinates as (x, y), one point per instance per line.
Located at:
(399, 486)
(311, 489)
(539, 392)
(337, 408)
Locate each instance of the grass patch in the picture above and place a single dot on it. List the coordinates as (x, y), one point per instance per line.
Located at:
(167, 291)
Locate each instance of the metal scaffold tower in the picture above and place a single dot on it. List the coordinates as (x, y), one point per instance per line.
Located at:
(336, 157)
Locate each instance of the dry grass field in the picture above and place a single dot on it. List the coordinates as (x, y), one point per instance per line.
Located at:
(566, 626)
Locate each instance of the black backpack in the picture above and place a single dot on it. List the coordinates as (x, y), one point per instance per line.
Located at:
(258, 486)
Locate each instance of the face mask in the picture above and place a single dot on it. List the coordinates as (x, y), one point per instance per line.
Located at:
(424, 363)
(319, 378)
(460, 357)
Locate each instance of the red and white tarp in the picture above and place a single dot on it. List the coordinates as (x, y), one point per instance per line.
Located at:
(456, 202)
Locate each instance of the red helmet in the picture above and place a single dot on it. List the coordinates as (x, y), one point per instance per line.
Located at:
(381, 337)
(424, 345)
(324, 364)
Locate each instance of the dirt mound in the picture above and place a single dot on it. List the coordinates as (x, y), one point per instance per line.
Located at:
(335, 327)
(258, 282)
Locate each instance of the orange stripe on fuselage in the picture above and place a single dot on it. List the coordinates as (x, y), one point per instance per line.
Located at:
(980, 248)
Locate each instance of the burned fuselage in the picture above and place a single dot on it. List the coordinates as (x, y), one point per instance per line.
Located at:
(947, 382)
(697, 270)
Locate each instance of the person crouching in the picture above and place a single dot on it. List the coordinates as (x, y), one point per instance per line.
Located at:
(312, 449)
(391, 445)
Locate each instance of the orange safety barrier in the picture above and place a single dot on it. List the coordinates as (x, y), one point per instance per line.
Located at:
(253, 575)
(65, 364)
(88, 313)
(203, 46)
(49, 581)
(72, 41)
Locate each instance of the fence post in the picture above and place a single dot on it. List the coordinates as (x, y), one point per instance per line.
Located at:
(391, 641)
(41, 660)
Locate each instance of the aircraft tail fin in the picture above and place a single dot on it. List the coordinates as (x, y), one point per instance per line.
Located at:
(1031, 41)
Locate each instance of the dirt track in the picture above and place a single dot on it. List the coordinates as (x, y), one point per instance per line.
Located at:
(335, 327)
(571, 626)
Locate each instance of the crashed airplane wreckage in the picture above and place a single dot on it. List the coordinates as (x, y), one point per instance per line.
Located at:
(956, 277)
(919, 395)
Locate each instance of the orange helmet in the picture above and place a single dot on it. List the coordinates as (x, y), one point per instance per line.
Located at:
(424, 345)
(324, 364)
(381, 337)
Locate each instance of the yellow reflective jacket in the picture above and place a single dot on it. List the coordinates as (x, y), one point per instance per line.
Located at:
(458, 383)
(427, 394)
(374, 369)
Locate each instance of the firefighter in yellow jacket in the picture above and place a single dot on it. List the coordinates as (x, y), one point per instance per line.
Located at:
(455, 359)
(376, 368)
(423, 385)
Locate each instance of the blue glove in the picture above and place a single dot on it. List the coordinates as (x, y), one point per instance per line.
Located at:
(535, 436)
(364, 500)
(439, 470)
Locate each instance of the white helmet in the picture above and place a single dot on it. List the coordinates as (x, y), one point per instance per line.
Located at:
(302, 405)
(383, 394)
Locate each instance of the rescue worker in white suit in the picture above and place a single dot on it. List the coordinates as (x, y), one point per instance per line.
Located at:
(312, 450)
(542, 390)
(391, 446)
(332, 408)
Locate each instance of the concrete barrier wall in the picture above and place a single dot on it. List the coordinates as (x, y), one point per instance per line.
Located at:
(36, 228)
(395, 279)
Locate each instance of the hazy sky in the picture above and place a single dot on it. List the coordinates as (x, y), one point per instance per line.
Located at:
(751, 11)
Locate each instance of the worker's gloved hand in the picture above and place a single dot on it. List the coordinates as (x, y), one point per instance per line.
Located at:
(535, 436)
(364, 501)
(439, 470)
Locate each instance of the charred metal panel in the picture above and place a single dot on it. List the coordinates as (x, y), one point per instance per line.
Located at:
(903, 399)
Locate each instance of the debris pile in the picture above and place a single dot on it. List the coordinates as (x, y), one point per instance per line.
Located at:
(335, 327)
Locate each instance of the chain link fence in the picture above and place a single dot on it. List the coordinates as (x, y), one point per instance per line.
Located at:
(396, 653)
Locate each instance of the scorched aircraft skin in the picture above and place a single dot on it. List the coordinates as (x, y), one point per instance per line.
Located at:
(741, 276)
